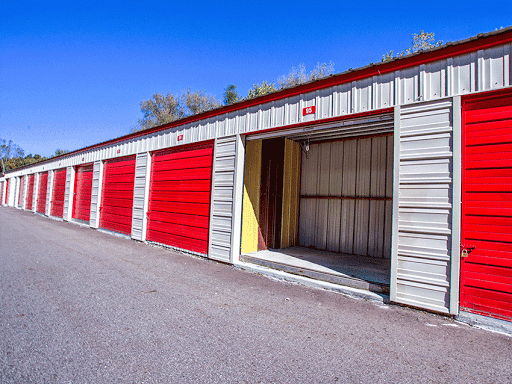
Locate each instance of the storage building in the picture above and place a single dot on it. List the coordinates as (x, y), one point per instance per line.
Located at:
(395, 178)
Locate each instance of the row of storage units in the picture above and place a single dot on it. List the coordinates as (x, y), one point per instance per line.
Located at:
(423, 187)
(178, 205)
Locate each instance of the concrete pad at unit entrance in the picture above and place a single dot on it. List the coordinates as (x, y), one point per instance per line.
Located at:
(79, 305)
(360, 272)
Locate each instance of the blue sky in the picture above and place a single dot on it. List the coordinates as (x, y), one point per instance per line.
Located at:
(73, 73)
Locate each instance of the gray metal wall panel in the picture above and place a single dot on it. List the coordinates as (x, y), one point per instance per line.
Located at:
(222, 202)
(49, 188)
(68, 194)
(333, 225)
(139, 196)
(306, 218)
(16, 191)
(336, 168)
(24, 192)
(36, 191)
(423, 265)
(96, 194)
(349, 169)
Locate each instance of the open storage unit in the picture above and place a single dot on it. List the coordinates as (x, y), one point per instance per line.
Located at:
(324, 190)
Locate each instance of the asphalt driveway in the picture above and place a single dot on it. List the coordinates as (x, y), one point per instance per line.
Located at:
(81, 306)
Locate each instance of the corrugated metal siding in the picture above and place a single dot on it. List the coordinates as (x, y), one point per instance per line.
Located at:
(96, 193)
(139, 196)
(68, 193)
(13, 192)
(345, 196)
(35, 192)
(222, 200)
(16, 191)
(49, 193)
(484, 70)
(424, 239)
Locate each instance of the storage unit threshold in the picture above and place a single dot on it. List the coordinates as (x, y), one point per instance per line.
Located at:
(349, 270)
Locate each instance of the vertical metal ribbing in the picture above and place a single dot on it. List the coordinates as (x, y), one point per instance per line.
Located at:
(49, 197)
(422, 224)
(456, 205)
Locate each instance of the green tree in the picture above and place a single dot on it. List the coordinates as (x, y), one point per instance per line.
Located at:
(59, 152)
(420, 42)
(194, 102)
(9, 151)
(231, 95)
(162, 109)
(261, 89)
(12, 156)
(298, 75)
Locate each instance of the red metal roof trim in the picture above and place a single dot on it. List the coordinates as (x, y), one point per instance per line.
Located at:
(481, 41)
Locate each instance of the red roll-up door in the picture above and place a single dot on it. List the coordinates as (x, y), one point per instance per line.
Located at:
(179, 197)
(117, 194)
(20, 194)
(6, 191)
(486, 271)
(59, 188)
(2, 191)
(82, 194)
(41, 195)
(30, 192)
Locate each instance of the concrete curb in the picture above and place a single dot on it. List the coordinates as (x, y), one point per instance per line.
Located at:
(487, 323)
(284, 276)
(112, 233)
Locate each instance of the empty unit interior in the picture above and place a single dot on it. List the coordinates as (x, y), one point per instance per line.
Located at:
(322, 200)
